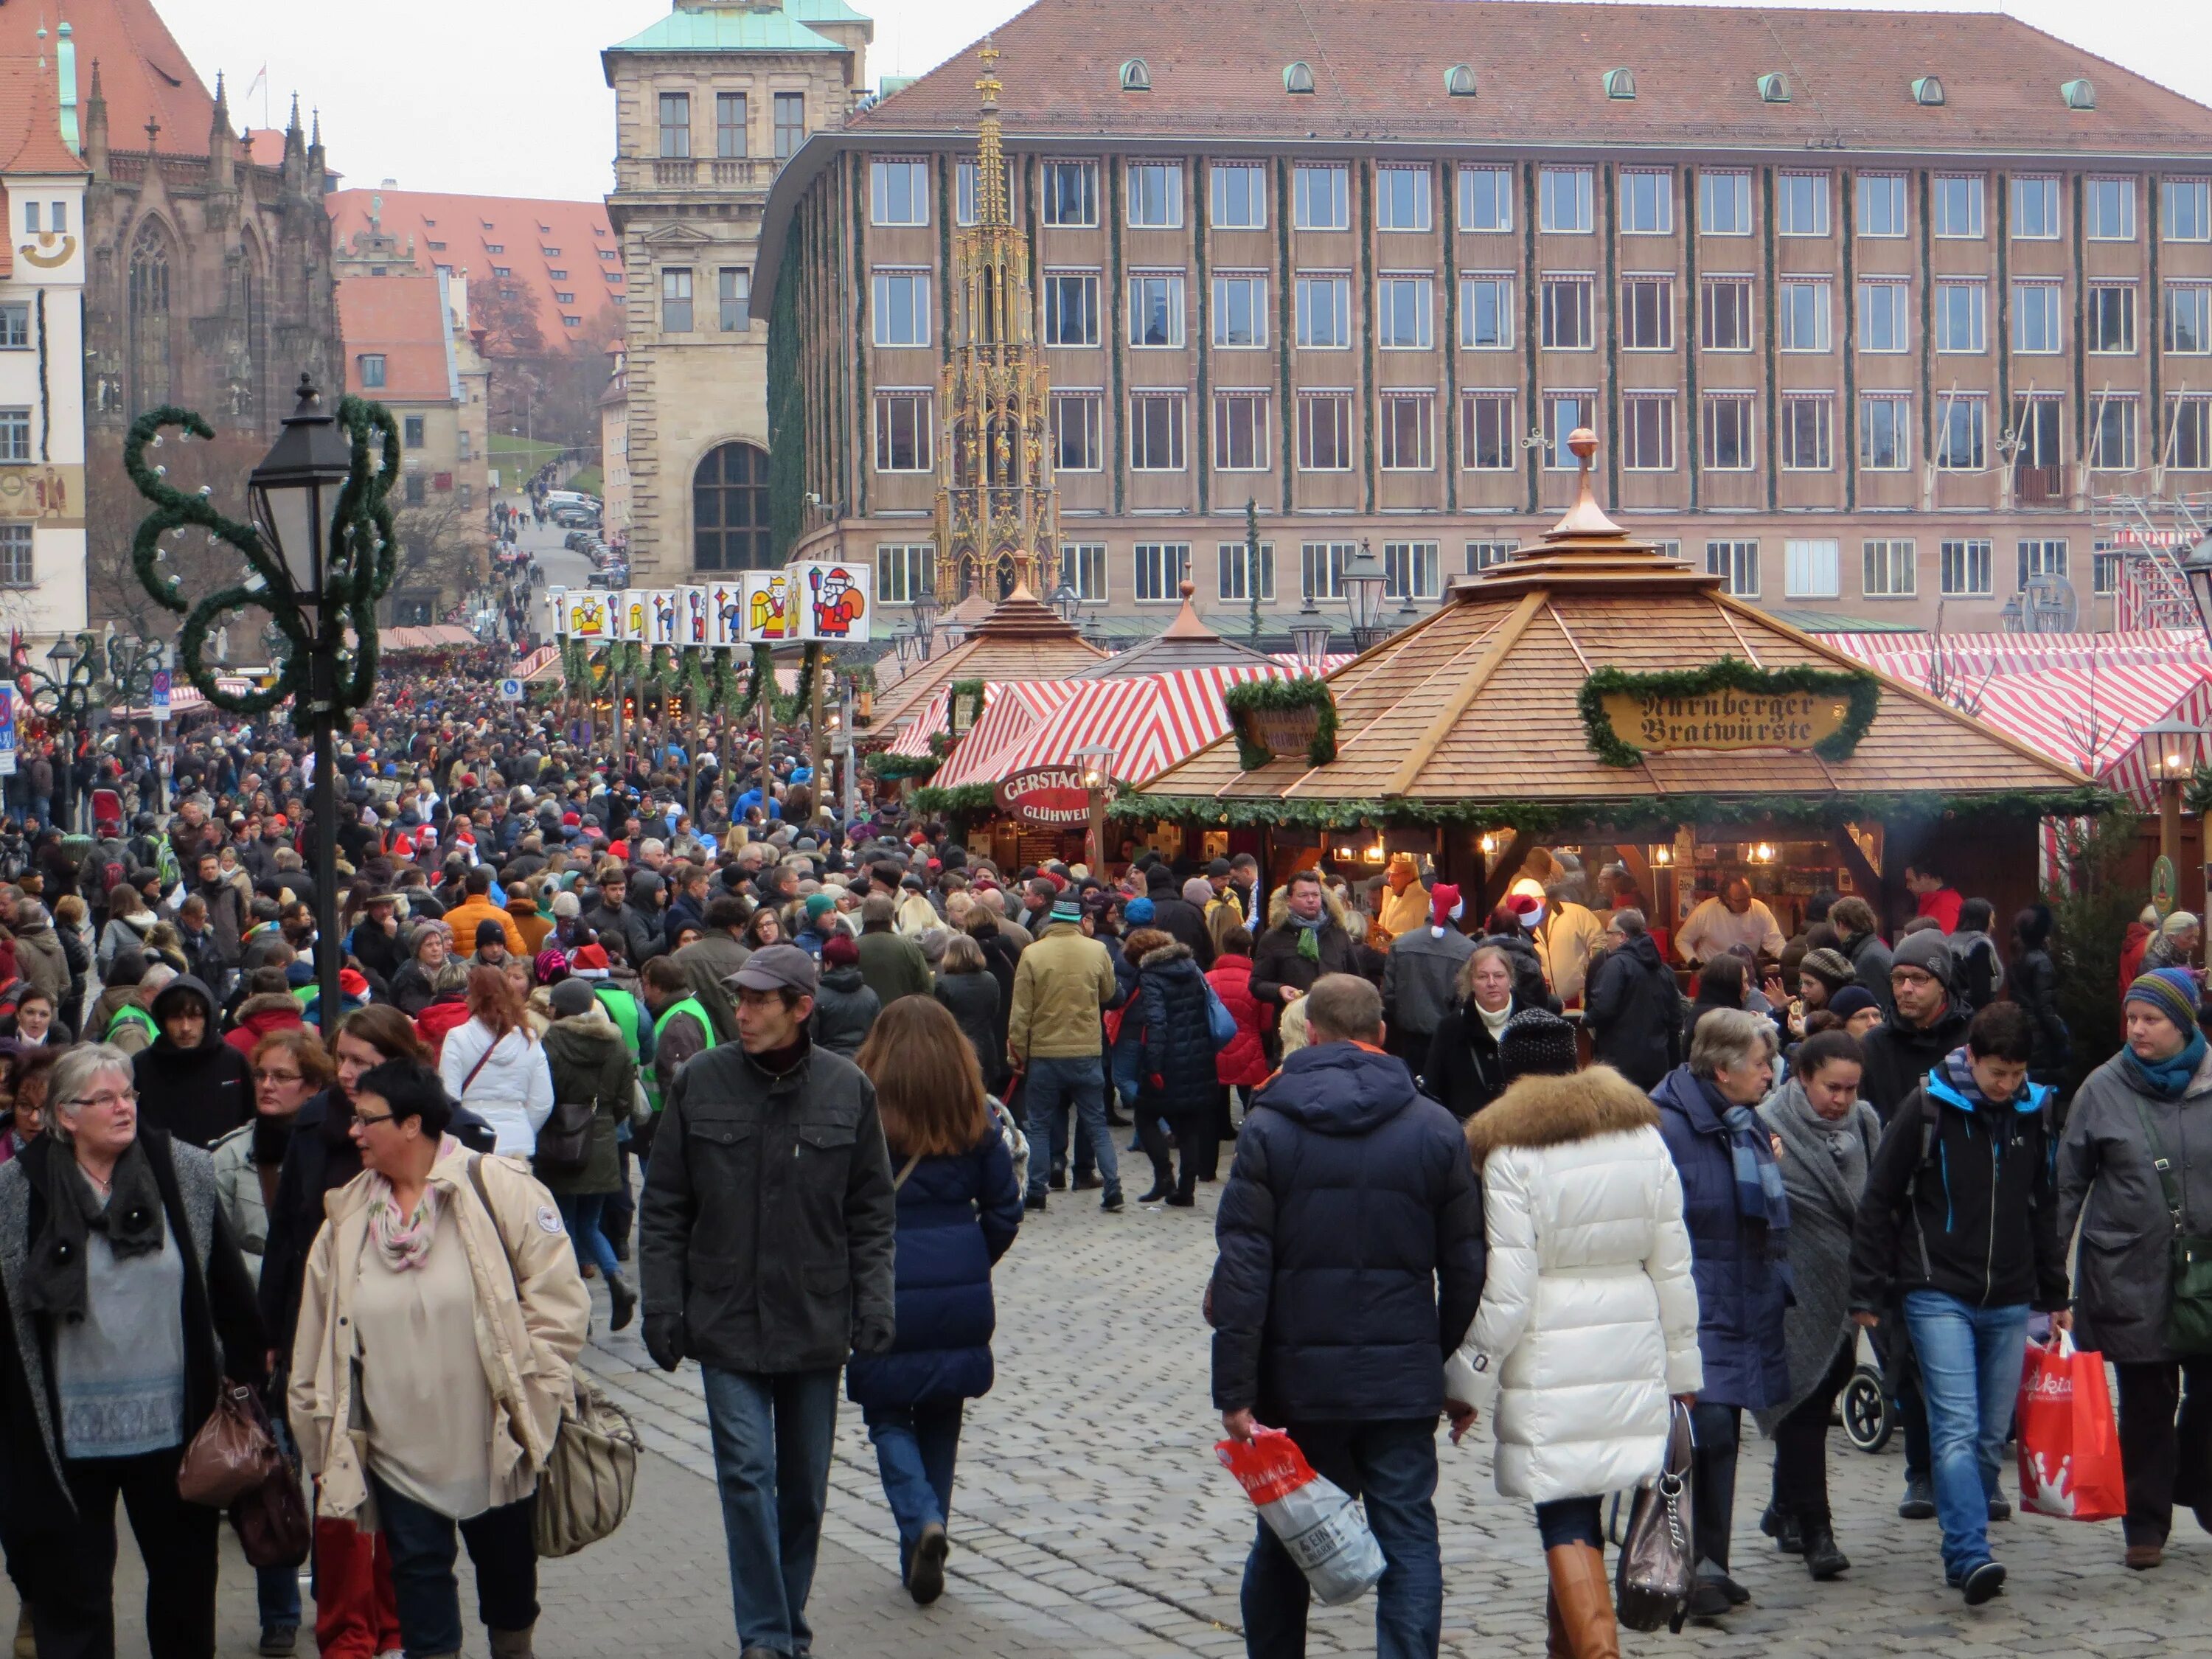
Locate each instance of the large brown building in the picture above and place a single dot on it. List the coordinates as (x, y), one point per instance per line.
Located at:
(1871, 310)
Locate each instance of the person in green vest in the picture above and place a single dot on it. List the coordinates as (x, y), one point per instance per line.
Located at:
(122, 1015)
(592, 965)
(682, 1027)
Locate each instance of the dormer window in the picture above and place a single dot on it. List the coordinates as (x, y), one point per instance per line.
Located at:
(1927, 90)
(2079, 94)
(1459, 80)
(1621, 83)
(1298, 77)
(1774, 88)
(1136, 75)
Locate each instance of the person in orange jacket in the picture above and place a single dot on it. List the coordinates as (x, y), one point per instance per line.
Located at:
(478, 907)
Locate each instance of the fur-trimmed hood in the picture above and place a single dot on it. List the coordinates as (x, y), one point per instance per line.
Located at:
(1552, 1111)
(1165, 955)
(1279, 907)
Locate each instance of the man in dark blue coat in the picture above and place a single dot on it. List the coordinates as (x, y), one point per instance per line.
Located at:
(1351, 1265)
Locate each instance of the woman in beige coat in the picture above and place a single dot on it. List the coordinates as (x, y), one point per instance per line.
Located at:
(440, 1315)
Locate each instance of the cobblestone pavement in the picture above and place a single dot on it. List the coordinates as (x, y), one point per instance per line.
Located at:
(1091, 1519)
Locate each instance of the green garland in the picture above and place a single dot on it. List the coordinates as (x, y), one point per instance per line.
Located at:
(1279, 696)
(786, 710)
(2197, 794)
(887, 766)
(358, 571)
(1629, 816)
(973, 691)
(1862, 690)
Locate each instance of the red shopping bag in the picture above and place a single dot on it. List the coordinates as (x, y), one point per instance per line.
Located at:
(2069, 1449)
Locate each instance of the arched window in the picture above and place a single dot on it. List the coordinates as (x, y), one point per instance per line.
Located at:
(1298, 77)
(729, 510)
(149, 318)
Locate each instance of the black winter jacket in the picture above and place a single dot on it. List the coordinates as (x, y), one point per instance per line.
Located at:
(2031, 981)
(768, 1214)
(198, 1095)
(972, 1000)
(1898, 1056)
(1276, 962)
(1165, 1048)
(1634, 1008)
(1351, 1245)
(844, 1009)
(1970, 1211)
(1462, 1070)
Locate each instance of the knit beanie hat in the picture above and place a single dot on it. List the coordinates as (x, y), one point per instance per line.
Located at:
(2171, 991)
(1831, 967)
(572, 997)
(1138, 913)
(1198, 891)
(1537, 1042)
(1851, 1000)
(1928, 951)
(819, 904)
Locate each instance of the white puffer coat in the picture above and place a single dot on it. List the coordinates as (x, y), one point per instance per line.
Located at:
(1590, 1316)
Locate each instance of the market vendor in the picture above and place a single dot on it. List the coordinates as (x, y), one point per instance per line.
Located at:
(1567, 935)
(1406, 903)
(1730, 918)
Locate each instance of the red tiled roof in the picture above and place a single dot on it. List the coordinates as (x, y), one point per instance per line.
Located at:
(30, 123)
(143, 74)
(401, 318)
(535, 238)
(1379, 70)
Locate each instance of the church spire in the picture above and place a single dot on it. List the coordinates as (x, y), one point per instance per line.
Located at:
(222, 145)
(95, 126)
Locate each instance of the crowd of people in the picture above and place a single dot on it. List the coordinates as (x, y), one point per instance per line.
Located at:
(788, 1088)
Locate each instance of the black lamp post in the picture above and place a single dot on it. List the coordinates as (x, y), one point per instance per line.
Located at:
(1366, 587)
(62, 696)
(132, 665)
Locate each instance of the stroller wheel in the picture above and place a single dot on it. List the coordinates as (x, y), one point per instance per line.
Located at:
(1869, 1418)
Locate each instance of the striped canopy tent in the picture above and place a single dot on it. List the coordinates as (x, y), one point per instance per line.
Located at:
(2081, 699)
(1149, 722)
(184, 697)
(1010, 709)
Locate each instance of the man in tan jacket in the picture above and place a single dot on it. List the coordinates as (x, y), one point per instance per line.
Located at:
(1061, 983)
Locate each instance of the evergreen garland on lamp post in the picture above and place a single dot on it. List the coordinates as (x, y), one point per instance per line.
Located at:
(316, 570)
(1252, 564)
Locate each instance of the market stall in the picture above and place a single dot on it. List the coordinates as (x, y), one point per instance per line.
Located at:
(1596, 698)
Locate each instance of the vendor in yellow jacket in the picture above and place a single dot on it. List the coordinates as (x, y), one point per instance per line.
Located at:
(442, 1313)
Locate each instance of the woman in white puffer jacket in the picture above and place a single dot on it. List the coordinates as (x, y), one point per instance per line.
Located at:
(1589, 1319)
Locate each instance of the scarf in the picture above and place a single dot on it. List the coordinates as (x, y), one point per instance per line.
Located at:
(54, 1278)
(1759, 1194)
(405, 1241)
(1309, 934)
(2165, 1080)
(1833, 1154)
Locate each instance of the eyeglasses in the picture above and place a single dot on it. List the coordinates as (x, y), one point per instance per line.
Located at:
(280, 1078)
(366, 1119)
(108, 1103)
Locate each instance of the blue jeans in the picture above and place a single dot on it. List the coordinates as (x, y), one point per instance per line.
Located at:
(916, 1447)
(1970, 1373)
(772, 1438)
(501, 1547)
(1393, 1468)
(1081, 1079)
(1571, 1520)
(579, 1214)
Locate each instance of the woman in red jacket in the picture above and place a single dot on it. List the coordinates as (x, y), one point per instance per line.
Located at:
(1243, 1063)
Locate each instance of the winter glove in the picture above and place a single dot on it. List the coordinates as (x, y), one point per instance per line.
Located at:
(874, 1335)
(664, 1339)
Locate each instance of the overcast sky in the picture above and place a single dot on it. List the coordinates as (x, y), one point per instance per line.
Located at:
(507, 97)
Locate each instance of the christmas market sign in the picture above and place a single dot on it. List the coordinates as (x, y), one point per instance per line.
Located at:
(1729, 705)
(1047, 796)
(1277, 720)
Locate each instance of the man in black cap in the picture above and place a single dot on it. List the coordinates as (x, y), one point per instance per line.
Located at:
(490, 945)
(770, 1163)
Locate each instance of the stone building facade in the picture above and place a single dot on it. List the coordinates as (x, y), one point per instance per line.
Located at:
(711, 102)
(1874, 314)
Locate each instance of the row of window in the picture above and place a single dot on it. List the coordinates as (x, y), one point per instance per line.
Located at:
(1812, 568)
(733, 297)
(1491, 441)
(1321, 199)
(731, 125)
(1646, 318)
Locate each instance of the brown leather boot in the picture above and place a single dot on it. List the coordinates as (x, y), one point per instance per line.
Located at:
(1584, 1600)
(1556, 1645)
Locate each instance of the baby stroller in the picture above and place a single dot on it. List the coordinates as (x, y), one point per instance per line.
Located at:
(1870, 1415)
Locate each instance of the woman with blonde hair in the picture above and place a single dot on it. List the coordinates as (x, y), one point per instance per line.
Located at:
(958, 1211)
(495, 1065)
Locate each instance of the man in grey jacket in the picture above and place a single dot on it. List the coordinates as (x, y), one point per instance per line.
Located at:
(1420, 977)
(770, 1164)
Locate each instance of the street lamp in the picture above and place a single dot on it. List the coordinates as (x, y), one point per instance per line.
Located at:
(60, 695)
(1096, 766)
(1309, 633)
(2197, 571)
(2174, 749)
(1366, 584)
(1067, 602)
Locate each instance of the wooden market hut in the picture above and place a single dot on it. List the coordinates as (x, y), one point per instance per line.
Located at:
(1597, 695)
(1021, 638)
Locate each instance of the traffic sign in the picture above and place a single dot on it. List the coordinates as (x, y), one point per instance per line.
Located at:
(159, 703)
(511, 690)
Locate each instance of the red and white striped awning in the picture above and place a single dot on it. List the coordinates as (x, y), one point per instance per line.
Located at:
(1329, 664)
(1010, 708)
(184, 697)
(2081, 699)
(1150, 721)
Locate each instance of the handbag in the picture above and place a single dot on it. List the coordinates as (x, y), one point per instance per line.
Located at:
(1653, 1582)
(233, 1453)
(589, 1481)
(2189, 1316)
(272, 1522)
(1221, 1024)
(1016, 1143)
(564, 1143)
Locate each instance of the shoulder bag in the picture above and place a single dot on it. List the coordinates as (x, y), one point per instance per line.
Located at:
(1658, 1559)
(564, 1140)
(2189, 1315)
(590, 1478)
(233, 1454)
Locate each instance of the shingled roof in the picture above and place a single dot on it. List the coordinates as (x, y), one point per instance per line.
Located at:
(1020, 639)
(1379, 69)
(1479, 705)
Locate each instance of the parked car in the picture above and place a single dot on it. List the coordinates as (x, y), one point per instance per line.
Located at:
(614, 576)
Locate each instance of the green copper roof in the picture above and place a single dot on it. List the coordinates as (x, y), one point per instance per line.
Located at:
(719, 30)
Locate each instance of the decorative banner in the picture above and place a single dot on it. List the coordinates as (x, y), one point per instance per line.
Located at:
(8, 725)
(1282, 719)
(660, 615)
(1047, 796)
(634, 625)
(725, 612)
(1725, 720)
(590, 617)
(833, 602)
(768, 618)
(691, 619)
(559, 596)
